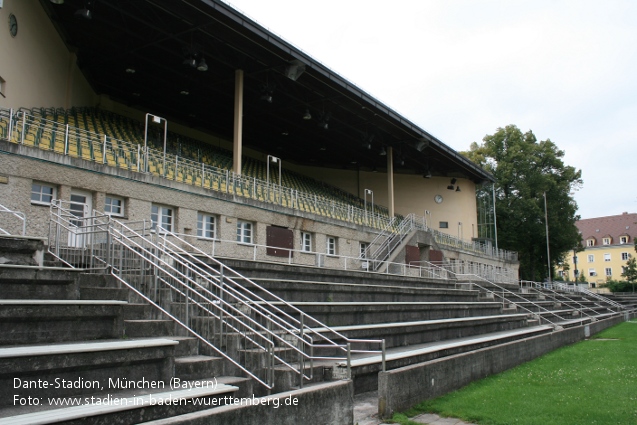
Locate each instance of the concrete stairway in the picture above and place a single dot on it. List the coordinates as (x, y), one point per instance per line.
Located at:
(75, 349)
(419, 319)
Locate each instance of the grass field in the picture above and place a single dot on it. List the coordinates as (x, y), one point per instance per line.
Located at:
(591, 382)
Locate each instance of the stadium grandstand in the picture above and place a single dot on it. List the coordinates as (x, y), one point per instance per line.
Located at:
(192, 209)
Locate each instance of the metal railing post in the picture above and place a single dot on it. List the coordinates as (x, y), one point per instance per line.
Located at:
(66, 140)
(104, 151)
(384, 355)
(349, 360)
(24, 124)
(301, 359)
(10, 134)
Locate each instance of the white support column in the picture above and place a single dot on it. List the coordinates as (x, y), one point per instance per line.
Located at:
(238, 122)
(390, 181)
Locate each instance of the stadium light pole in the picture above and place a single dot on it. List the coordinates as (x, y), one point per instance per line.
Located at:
(548, 251)
(369, 192)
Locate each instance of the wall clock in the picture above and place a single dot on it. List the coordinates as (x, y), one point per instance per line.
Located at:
(13, 25)
(438, 199)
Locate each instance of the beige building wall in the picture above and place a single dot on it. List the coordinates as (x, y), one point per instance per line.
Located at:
(46, 77)
(413, 194)
(599, 263)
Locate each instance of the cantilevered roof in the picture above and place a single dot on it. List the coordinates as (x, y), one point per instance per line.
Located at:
(134, 52)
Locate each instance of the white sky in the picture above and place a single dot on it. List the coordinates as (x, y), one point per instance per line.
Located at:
(565, 69)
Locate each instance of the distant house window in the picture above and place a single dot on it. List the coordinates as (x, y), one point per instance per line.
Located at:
(625, 256)
(244, 231)
(606, 257)
(206, 226)
(114, 206)
(608, 271)
(42, 193)
(363, 249)
(306, 242)
(591, 272)
(590, 242)
(331, 246)
(606, 241)
(591, 258)
(623, 240)
(444, 225)
(162, 216)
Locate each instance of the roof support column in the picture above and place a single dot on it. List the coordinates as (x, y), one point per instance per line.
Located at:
(238, 121)
(390, 181)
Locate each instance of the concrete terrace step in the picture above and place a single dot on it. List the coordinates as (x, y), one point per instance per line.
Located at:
(417, 332)
(41, 321)
(148, 328)
(28, 282)
(349, 313)
(198, 367)
(421, 323)
(317, 291)
(130, 410)
(469, 343)
(88, 363)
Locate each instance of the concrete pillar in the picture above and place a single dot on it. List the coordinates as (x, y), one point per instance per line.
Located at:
(238, 121)
(390, 181)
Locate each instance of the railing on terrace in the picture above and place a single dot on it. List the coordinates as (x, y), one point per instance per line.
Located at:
(19, 215)
(550, 292)
(222, 248)
(508, 296)
(563, 287)
(28, 129)
(23, 128)
(232, 316)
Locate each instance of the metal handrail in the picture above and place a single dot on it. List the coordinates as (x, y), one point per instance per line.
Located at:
(134, 256)
(429, 271)
(183, 248)
(547, 291)
(20, 215)
(128, 155)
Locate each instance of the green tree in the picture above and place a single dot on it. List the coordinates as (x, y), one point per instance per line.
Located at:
(525, 170)
(630, 272)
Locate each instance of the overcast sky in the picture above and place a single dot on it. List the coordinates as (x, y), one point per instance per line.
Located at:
(565, 69)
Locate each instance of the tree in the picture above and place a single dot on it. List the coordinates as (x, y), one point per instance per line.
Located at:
(630, 271)
(525, 170)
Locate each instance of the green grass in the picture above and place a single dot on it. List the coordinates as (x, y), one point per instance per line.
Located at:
(591, 382)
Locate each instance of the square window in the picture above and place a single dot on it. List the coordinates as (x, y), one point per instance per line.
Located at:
(591, 272)
(590, 242)
(244, 231)
(306, 242)
(444, 225)
(623, 240)
(162, 216)
(114, 205)
(625, 256)
(206, 226)
(42, 193)
(606, 241)
(331, 246)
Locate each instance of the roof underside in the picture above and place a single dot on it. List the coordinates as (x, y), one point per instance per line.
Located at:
(154, 37)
